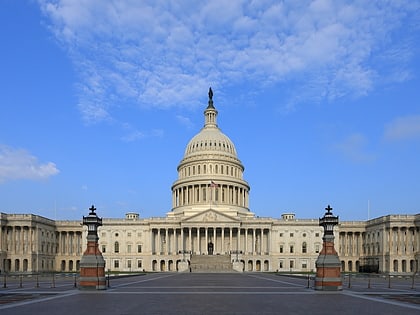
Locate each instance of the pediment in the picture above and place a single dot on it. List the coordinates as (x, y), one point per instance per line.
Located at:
(210, 215)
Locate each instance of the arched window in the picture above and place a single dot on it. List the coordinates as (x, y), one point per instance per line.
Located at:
(116, 247)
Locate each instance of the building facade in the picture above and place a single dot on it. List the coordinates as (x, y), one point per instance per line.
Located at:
(210, 216)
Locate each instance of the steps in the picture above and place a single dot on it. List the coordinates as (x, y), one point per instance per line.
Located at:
(211, 263)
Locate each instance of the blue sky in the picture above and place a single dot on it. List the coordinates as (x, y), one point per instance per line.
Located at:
(100, 98)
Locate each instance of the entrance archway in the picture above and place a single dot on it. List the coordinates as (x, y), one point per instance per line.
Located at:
(210, 248)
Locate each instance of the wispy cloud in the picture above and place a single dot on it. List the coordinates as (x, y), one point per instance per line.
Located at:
(20, 164)
(354, 148)
(166, 53)
(185, 121)
(403, 128)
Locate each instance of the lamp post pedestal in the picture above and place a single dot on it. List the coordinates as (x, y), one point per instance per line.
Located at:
(328, 266)
(92, 264)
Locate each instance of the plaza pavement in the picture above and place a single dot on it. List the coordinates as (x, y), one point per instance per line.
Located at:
(196, 293)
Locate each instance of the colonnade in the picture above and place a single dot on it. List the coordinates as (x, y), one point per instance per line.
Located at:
(210, 240)
(19, 239)
(210, 194)
(350, 243)
(70, 243)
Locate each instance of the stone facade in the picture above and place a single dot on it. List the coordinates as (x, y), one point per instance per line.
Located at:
(209, 215)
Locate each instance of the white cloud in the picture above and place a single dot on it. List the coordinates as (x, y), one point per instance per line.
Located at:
(403, 128)
(164, 54)
(185, 121)
(20, 164)
(354, 148)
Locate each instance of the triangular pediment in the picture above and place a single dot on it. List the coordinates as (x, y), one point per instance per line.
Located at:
(210, 215)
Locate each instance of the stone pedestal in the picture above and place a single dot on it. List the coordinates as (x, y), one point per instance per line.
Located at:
(238, 266)
(328, 266)
(92, 268)
(183, 266)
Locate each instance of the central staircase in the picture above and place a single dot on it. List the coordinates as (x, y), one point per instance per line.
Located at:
(211, 263)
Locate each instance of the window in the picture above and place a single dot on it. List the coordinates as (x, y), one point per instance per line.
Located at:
(304, 264)
(116, 247)
(129, 234)
(129, 263)
(304, 234)
(291, 234)
(103, 248)
(138, 248)
(291, 264)
(116, 234)
(281, 234)
(129, 248)
(304, 247)
(139, 264)
(281, 264)
(316, 234)
(116, 264)
(317, 249)
(291, 248)
(281, 248)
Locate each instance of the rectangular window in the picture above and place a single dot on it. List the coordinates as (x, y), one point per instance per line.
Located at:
(291, 234)
(138, 248)
(103, 248)
(116, 264)
(281, 248)
(139, 264)
(129, 234)
(304, 264)
(128, 248)
(291, 264)
(129, 263)
(291, 248)
(281, 264)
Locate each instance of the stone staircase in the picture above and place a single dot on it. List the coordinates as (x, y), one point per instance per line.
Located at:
(211, 263)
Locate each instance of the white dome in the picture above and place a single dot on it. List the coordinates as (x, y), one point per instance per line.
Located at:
(210, 140)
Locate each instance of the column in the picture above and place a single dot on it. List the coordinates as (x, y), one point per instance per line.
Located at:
(254, 241)
(167, 241)
(246, 241)
(182, 240)
(198, 241)
(152, 241)
(214, 240)
(207, 240)
(190, 239)
(239, 239)
(223, 241)
(230, 239)
(262, 241)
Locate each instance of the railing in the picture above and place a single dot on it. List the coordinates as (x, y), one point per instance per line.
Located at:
(37, 280)
(370, 280)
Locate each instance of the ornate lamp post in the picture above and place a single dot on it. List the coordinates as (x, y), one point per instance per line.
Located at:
(92, 264)
(328, 274)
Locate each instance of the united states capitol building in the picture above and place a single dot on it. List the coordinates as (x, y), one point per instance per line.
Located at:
(210, 228)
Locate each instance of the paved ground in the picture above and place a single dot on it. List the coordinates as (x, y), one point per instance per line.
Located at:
(248, 293)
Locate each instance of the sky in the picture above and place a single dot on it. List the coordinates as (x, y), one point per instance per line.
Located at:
(99, 99)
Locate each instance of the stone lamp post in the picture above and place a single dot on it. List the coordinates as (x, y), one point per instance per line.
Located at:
(328, 274)
(92, 264)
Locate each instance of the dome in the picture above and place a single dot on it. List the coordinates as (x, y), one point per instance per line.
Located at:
(210, 175)
(210, 140)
